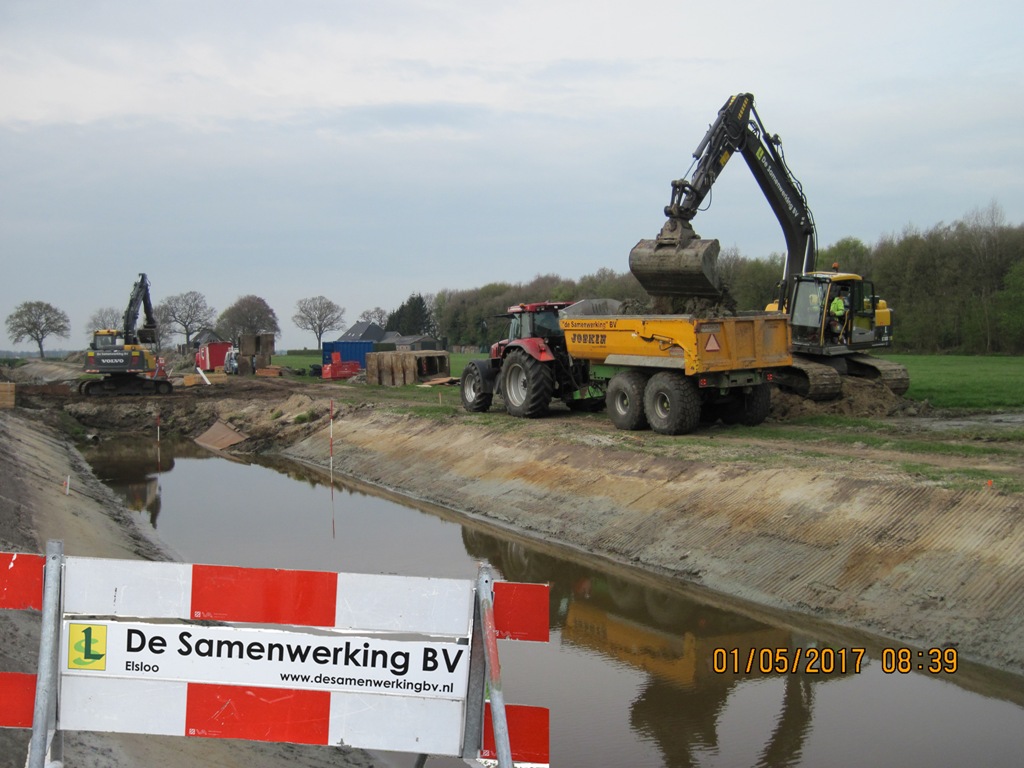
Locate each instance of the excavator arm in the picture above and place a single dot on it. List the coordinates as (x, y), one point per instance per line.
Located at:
(140, 299)
(678, 262)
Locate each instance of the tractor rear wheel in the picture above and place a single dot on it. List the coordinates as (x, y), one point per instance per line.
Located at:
(527, 385)
(626, 400)
(471, 386)
(671, 403)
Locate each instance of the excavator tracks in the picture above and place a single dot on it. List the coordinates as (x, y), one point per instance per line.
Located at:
(893, 375)
(814, 381)
(821, 381)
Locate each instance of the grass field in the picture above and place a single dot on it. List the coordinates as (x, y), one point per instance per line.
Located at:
(945, 381)
(960, 381)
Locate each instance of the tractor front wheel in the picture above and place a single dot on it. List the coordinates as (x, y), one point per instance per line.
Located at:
(471, 386)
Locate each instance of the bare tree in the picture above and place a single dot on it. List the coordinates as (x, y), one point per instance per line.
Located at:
(377, 315)
(189, 312)
(37, 320)
(107, 317)
(319, 315)
(249, 315)
(163, 327)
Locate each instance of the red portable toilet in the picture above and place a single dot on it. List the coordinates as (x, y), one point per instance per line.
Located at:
(211, 355)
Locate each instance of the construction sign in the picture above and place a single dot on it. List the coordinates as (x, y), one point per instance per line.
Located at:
(370, 661)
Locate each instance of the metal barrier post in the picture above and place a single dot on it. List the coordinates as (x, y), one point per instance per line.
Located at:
(498, 720)
(44, 719)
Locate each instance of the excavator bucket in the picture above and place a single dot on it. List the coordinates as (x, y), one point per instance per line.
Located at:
(686, 267)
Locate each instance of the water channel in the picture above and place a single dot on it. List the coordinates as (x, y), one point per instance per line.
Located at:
(630, 673)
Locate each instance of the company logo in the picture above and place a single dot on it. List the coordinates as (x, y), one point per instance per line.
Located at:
(87, 646)
(589, 338)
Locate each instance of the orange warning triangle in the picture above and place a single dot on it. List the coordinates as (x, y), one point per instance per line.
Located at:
(712, 345)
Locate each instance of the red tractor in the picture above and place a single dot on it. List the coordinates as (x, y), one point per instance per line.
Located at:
(530, 368)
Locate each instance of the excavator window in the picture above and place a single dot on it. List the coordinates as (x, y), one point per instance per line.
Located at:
(104, 341)
(808, 308)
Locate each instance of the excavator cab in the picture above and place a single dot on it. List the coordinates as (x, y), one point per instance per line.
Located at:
(105, 339)
(864, 323)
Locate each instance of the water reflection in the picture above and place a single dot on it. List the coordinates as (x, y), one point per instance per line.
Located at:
(132, 469)
(670, 638)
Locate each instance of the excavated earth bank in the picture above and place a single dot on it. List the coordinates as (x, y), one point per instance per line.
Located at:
(919, 565)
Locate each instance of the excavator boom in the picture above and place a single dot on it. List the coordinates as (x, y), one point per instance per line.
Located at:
(678, 262)
(679, 268)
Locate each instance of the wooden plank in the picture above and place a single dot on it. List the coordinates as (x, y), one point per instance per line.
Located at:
(6, 394)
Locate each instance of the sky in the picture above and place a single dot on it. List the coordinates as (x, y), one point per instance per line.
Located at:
(366, 150)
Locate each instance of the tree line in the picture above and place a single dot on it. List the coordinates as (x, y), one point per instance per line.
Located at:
(956, 288)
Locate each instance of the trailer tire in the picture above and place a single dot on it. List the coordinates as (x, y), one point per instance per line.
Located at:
(749, 409)
(625, 400)
(672, 403)
(527, 385)
(471, 389)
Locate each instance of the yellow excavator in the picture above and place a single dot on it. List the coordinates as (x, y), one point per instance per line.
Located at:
(835, 317)
(122, 356)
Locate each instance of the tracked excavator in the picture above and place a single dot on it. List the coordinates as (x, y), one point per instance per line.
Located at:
(127, 366)
(835, 317)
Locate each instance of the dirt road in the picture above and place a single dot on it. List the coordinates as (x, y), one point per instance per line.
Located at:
(849, 530)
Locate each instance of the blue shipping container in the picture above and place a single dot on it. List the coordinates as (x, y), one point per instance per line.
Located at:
(351, 351)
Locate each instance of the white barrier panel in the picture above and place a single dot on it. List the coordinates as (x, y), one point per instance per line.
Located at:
(268, 658)
(309, 657)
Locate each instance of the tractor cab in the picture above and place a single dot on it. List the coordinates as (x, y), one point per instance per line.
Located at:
(531, 321)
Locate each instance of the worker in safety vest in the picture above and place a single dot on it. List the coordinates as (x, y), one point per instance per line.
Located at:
(838, 311)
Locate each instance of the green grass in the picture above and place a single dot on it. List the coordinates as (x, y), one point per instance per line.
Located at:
(961, 381)
(297, 362)
(459, 359)
(965, 479)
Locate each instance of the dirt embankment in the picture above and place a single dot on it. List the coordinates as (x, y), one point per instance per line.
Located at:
(917, 564)
(845, 533)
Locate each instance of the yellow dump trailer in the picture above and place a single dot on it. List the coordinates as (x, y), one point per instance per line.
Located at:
(691, 344)
(671, 372)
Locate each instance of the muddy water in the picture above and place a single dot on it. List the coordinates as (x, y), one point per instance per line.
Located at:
(636, 673)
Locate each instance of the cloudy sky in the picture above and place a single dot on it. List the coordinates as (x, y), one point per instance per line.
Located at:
(369, 149)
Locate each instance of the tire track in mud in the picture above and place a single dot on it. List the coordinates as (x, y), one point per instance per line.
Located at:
(923, 565)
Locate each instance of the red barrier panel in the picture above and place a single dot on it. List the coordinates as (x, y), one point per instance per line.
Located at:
(21, 581)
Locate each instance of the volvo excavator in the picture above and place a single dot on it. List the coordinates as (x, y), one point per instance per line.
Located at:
(119, 355)
(830, 337)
